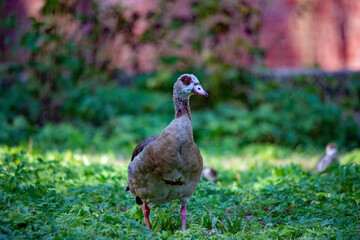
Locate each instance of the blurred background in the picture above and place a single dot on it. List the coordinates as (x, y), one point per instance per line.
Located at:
(96, 76)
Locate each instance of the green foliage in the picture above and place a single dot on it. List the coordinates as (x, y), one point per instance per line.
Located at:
(352, 156)
(65, 95)
(58, 196)
(120, 134)
(295, 117)
(116, 118)
(278, 116)
(61, 136)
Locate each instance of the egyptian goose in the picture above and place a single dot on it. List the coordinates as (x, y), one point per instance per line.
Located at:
(328, 159)
(210, 174)
(168, 166)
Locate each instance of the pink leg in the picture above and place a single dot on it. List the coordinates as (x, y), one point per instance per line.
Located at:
(146, 211)
(183, 217)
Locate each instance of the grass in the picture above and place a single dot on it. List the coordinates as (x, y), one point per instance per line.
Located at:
(261, 194)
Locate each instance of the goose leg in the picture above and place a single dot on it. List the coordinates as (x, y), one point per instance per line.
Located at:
(146, 212)
(183, 217)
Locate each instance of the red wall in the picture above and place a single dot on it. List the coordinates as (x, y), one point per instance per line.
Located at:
(295, 33)
(324, 33)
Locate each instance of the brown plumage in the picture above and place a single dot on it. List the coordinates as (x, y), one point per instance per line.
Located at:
(168, 166)
(136, 151)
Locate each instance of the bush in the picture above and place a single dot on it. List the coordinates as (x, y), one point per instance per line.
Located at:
(119, 117)
(280, 116)
(67, 85)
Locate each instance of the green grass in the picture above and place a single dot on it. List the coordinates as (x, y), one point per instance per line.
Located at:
(68, 195)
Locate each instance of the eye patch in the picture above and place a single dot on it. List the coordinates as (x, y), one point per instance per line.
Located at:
(186, 80)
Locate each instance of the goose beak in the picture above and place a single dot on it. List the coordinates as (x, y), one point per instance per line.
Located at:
(199, 90)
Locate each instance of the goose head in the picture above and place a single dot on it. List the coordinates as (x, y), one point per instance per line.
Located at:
(187, 85)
